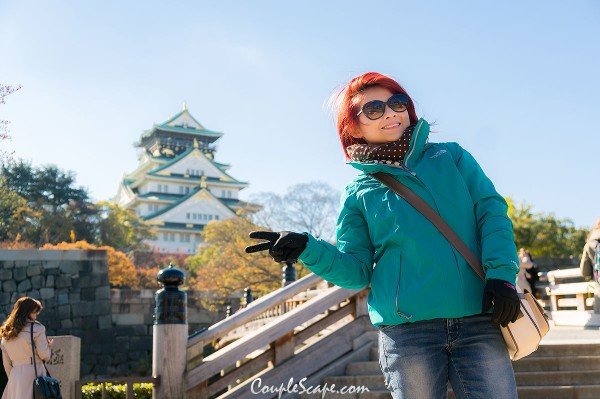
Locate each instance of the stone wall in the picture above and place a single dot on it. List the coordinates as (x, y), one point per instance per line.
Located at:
(115, 326)
(73, 288)
(136, 307)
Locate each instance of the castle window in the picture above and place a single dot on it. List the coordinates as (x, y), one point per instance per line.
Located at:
(163, 188)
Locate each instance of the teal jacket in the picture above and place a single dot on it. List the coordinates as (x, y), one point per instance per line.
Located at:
(414, 272)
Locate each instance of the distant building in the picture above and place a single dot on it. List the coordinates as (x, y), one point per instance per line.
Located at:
(178, 187)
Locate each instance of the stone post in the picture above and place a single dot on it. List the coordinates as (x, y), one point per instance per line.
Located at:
(248, 298)
(289, 274)
(64, 364)
(169, 335)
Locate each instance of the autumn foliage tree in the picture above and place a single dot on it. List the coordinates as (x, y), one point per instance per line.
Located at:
(121, 228)
(121, 272)
(223, 267)
(149, 263)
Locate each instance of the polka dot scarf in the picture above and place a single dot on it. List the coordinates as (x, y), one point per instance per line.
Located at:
(388, 153)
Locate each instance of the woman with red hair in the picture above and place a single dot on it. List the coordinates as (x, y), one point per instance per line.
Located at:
(434, 314)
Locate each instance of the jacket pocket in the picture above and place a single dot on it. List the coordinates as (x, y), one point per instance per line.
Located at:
(398, 310)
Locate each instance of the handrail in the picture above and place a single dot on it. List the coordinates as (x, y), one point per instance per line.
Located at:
(253, 310)
(560, 274)
(267, 334)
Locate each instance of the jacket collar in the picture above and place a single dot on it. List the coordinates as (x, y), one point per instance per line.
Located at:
(412, 157)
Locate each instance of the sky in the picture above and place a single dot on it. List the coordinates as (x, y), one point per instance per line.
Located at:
(515, 83)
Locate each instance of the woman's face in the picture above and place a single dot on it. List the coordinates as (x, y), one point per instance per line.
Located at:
(386, 129)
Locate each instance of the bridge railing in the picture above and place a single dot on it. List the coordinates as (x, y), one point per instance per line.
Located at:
(296, 341)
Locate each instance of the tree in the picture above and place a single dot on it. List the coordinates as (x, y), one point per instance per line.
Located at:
(544, 234)
(52, 193)
(4, 131)
(15, 215)
(121, 228)
(306, 207)
(224, 267)
(121, 272)
(149, 263)
(45, 187)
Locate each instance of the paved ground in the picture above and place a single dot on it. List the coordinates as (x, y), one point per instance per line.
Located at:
(570, 335)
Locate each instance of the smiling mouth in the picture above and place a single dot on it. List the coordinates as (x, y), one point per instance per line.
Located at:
(391, 125)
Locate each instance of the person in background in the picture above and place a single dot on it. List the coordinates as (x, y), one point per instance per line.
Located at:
(588, 257)
(528, 272)
(16, 348)
(433, 312)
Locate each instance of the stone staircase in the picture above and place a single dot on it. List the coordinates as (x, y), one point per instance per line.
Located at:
(554, 371)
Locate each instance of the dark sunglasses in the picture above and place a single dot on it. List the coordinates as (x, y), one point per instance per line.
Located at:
(376, 109)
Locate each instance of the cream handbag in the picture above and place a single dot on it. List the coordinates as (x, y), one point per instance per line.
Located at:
(524, 335)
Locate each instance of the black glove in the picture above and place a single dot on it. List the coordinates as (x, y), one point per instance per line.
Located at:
(284, 246)
(506, 302)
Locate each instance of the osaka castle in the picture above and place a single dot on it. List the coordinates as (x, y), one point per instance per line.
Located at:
(178, 186)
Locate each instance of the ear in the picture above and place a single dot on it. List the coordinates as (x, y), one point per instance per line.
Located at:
(356, 135)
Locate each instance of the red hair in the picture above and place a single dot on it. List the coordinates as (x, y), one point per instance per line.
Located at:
(347, 119)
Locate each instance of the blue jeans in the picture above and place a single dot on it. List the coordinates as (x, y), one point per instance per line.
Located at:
(418, 359)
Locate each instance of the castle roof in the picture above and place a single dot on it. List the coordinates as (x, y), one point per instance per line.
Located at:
(183, 125)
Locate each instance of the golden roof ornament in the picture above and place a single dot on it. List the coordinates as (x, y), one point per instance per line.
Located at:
(203, 181)
(184, 105)
(196, 145)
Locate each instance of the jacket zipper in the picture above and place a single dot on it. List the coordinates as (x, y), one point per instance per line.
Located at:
(404, 168)
(416, 137)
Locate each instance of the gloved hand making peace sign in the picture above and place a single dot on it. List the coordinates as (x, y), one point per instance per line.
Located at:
(284, 246)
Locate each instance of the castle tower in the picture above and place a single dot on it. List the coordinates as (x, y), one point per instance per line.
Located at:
(178, 187)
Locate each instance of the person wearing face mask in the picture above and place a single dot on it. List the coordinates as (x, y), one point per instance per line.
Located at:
(438, 320)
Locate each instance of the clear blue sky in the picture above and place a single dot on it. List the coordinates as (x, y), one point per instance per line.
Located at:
(516, 83)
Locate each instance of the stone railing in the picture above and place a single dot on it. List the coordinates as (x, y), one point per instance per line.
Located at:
(572, 299)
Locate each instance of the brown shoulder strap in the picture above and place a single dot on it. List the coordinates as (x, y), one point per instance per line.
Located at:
(420, 205)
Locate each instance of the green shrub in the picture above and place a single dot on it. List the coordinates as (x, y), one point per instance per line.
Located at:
(114, 391)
